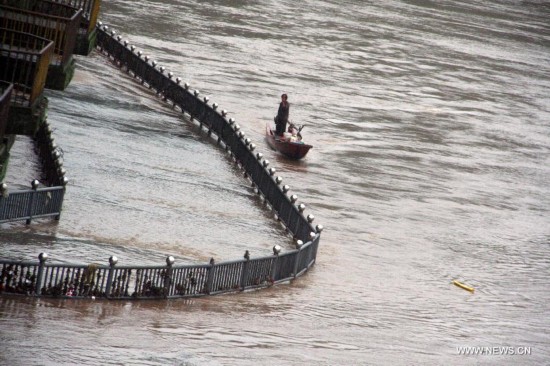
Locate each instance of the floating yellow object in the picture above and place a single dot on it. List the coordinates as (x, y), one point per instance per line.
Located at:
(461, 285)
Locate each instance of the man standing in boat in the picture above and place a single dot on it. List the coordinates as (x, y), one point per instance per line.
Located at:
(282, 116)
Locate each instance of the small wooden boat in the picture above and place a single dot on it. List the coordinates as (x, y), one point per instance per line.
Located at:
(290, 145)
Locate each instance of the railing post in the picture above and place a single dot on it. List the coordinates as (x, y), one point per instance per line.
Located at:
(299, 244)
(319, 228)
(313, 253)
(42, 257)
(112, 263)
(301, 207)
(64, 181)
(245, 269)
(210, 276)
(34, 185)
(4, 191)
(293, 198)
(168, 275)
(4, 194)
(276, 251)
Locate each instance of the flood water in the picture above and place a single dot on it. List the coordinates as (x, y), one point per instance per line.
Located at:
(431, 162)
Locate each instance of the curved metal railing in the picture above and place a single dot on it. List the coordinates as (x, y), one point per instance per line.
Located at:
(170, 280)
(216, 122)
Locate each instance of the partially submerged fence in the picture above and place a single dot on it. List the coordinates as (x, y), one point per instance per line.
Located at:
(41, 200)
(141, 282)
(176, 281)
(31, 204)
